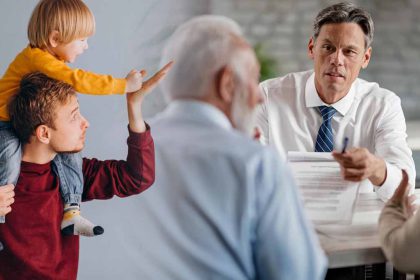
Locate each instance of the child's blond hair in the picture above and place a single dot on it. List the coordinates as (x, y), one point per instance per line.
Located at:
(71, 18)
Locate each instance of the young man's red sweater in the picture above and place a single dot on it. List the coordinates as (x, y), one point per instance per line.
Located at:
(34, 245)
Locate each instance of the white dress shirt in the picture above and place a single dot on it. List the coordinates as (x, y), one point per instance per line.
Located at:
(222, 207)
(370, 116)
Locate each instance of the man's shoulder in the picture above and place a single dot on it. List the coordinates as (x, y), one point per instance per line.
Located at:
(228, 143)
(288, 81)
(234, 143)
(235, 136)
(246, 150)
(371, 90)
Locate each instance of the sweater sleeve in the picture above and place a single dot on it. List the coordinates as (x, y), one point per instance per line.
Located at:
(104, 179)
(83, 81)
(400, 238)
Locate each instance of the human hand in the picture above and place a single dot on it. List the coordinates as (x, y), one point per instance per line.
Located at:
(149, 84)
(410, 205)
(6, 199)
(402, 198)
(134, 80)
(358, 164)
(135, 99)
(152, 82)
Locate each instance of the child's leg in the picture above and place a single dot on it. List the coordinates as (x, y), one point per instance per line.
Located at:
(10, 157)
(69, 169)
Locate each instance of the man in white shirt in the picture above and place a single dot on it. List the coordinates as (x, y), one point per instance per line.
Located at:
(316, 110)
(222, 206)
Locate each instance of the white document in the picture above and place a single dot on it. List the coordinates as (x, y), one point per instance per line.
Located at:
(328, 199)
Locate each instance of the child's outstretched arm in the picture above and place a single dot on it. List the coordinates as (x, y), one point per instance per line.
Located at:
(84, 81)
(81, 80)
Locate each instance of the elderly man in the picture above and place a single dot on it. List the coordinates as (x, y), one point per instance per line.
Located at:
(47, 119)
(222, 206)
(310, 111)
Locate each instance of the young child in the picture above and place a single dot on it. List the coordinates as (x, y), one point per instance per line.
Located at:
(57, 32)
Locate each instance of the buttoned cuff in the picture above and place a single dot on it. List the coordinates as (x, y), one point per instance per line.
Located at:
(393, 179)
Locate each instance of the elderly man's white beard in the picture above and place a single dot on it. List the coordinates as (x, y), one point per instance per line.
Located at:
(243, 117)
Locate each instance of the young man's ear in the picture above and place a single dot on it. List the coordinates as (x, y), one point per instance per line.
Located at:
(43, 134)
(226, 84)
(54, 38)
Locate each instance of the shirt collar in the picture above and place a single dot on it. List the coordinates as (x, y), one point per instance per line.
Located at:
(198, 111)
(313, 100)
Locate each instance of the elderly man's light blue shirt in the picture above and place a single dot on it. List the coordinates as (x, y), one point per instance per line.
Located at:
(222, 207)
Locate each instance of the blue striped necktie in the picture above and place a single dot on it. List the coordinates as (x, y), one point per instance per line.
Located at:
(325, 139)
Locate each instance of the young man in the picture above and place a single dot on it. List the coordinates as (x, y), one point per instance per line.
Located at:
(46, 117)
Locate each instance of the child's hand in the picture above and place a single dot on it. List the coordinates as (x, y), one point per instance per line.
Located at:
(134, 81)
(152, 82)
(149, 84)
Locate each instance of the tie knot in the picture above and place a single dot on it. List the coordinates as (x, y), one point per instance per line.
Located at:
(327, 112)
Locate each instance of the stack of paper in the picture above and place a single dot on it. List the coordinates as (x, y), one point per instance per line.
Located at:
(327, 197)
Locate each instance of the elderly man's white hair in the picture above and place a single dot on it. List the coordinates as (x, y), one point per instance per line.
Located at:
(200, 48)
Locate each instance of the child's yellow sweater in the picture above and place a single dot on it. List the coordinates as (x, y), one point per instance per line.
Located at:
(34, 59)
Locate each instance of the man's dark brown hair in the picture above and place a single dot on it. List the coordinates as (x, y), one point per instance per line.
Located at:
(345, 12)
(35, 103)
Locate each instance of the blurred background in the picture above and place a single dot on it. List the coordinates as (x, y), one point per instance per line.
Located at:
(131, 34)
